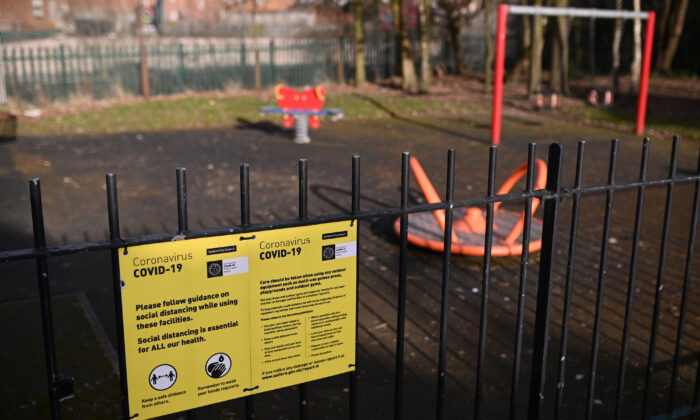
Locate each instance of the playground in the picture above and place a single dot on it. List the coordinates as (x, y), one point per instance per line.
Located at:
(384, 225)
(72, 167)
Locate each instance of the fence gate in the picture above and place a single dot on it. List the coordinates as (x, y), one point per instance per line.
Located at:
(588, 326)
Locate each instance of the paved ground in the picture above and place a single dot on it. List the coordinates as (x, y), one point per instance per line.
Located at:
(72, 175)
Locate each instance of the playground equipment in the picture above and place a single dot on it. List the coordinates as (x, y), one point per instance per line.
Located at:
(427, 230)
(499, 62)
(546, 101)
(597, 96)
(301, 110)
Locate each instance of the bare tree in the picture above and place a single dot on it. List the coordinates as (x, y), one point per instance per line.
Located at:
(523, 61)
(360, 77)
(457, 14)
(425, 35)
(617, 39)
(636, 67)
(454, 28)
(674, 30)
(662, 23)
(409, 82)
(559, 78)
(536, 45)
(489, 46)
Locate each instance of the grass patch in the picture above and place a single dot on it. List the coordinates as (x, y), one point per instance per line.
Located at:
(202, 112)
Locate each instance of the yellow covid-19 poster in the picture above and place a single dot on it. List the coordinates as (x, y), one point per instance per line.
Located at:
(212, 319)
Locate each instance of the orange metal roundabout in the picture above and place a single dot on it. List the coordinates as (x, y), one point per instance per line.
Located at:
(468, 229)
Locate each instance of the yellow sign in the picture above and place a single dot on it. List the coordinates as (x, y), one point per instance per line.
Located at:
(212, 319)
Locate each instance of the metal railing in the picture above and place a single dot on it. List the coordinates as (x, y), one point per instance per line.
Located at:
(549, 258)
(50, 72)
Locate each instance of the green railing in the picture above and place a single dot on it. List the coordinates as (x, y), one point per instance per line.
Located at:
(14, 36)
(41, 75)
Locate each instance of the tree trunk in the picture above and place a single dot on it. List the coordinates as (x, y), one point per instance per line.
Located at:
(536, 46)
(488, 65)
(555, 65)
(409, 82)
(425, 34)
(397, 23)
(454, 27)
(523, 61)
(360, 77)
(662, 24)
(617, 39)
(559, 79)
(636, 67)
(675, 30)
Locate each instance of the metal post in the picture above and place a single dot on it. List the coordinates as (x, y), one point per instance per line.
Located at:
(684, 300)
(181, 179)
(355, 208)
(114, 236)
(245, 221)
(273, 70)
(181, 59)
(575, 207)
(3, 90)
(644, 79)
(619, 411)
(660, 279)
(544, 287)
(341, 60)
(303, 214)
(401, 300)
(522, 288)
(44, 295)
(602, 274)
(182, 226)
(485, 285)
(499, 63)
(444, 304)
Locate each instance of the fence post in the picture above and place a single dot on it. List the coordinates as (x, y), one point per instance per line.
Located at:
(243, 65)
(25, 92)
(14, 88)
(258, 82)
(353, 395)
(181, 58)
(117, 284)
(544, 286)
(273, 71)
(145, 83)
(341, 63)
(94, 76)
(44, 295)
(3, 89)
(32, 83)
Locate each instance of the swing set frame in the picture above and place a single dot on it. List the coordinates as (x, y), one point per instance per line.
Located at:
(504, 10)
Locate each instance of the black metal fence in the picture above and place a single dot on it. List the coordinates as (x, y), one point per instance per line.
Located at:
(548, 380)
(51, 72)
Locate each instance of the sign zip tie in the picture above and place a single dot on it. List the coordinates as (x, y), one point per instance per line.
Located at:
(134, 416)
(244, 238)
(352, 365)
(251, 389)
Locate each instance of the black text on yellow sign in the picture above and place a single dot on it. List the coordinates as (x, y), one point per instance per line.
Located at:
(213, 319)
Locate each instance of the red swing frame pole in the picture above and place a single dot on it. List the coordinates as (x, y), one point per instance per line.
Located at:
(499, 64)
(644, 77)
(504, 10)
